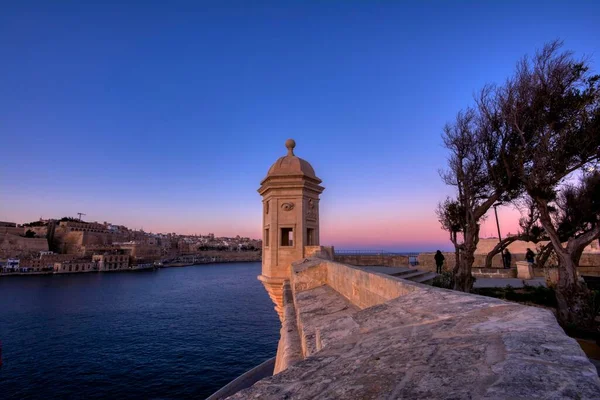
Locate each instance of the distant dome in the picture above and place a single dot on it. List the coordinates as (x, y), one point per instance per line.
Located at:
(291, 165)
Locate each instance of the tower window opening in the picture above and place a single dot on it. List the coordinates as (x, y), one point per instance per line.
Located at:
(266, 238)
(310, 236)
(287, 236)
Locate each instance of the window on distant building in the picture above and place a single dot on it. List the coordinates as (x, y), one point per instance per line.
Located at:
(287, 236)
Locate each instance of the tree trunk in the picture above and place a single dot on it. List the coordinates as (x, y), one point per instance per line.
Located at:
(572, 295)
(543, 255)
(498, 249)
(463, 280)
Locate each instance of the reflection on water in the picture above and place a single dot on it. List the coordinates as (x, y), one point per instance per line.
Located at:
(171, 334)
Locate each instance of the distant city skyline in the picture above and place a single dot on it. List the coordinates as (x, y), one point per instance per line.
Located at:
(167, 116)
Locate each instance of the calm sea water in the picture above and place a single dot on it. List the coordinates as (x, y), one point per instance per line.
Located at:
(176, 333)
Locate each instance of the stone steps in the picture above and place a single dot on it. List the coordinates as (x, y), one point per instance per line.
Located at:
(411, 274)
(427, 278)
(417, 276)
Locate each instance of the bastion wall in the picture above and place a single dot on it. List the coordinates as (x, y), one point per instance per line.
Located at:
(349, 333)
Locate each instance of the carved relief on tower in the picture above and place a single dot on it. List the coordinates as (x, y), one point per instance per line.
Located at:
(289, 206)
(311, 210)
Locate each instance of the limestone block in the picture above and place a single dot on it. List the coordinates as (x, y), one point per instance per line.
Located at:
(524, 270)
(428, 343)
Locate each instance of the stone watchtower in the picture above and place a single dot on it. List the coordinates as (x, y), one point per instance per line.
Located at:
(290, 193)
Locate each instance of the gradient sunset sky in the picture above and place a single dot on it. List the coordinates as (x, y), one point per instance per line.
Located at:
(166, 115)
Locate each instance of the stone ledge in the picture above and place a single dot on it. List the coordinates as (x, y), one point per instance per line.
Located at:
(416, 341)
(474, 347)
(317, 309)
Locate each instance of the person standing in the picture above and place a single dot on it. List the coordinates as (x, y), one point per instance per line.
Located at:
(507, 259)
(530, 257)
(439, 261)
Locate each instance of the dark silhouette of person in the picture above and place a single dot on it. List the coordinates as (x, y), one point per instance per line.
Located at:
(530, 256)
(439, 261)
(507, 259)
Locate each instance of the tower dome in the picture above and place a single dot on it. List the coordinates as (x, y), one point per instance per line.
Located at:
(291, 165)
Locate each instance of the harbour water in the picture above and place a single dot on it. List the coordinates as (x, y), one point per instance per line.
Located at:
(176, 333)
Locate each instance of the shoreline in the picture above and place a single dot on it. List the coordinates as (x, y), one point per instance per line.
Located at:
(170, 265)
(187, 264)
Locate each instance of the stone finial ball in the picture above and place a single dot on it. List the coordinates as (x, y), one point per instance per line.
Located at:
(290, 144)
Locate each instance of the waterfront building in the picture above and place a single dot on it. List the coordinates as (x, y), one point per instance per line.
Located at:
(66, 267)
(46, 261)
(75, 226)
(110, 262)
(140, 248)
(12, 265)
(11, 228)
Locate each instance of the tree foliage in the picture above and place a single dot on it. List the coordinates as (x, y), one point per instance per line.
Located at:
(527, 139)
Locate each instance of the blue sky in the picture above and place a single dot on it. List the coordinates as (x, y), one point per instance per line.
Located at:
(166, 115)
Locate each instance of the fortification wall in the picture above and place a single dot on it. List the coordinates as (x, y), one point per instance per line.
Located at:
(388, 260)
(18, 246)
(520, 246)
(362, 288)
(378, 336)
(427, 262)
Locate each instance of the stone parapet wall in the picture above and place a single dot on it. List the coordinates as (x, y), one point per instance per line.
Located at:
(366, 260)
(588, 265)
(494, 273)
(368, 335)
(590, 260)
(323, 252)
(589, 270)
(365, 289)
(427, 262)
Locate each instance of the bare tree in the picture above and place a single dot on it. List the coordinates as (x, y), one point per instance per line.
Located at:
(550, 118)
(530, 230)
(452, 218)
(479, 183)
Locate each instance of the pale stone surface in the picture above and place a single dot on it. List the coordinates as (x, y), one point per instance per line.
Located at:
(350, 333)
(323, 252)
(416, 341)
(439, 344)
(524, 270)
(290, 193)
(388, 260)
(320, 308)
(289, 350)
(409, 273)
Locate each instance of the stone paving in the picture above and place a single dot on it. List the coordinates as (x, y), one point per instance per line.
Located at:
(400, 272)
(440, 344)
(370, 335)
(503, 282)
